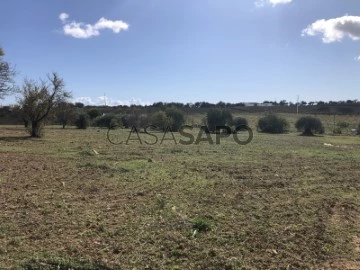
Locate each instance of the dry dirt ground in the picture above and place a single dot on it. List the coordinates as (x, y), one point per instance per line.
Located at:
(281, 202)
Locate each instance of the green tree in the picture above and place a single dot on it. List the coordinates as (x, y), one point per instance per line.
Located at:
(176, 117)
(108, 120)
(79, 105)
(160, 120)
(216, 118)
(82, 121)
(93, 113)
(39, 99)
(273, 124)
(239, 121)
(7, 74)
(309, 125)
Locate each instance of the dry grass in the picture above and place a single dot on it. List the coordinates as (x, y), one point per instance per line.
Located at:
(281, 202)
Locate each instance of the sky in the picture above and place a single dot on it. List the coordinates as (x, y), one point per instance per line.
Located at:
(138, 52)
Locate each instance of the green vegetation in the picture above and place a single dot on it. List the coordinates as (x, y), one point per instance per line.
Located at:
(309, 125)
(273, 124)
(239, 121)
(216, 118)
(160, 120)
(93, 113)
(82, 121)
(176, 118)
(107, 120)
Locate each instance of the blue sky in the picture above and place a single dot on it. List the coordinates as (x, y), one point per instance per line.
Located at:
(187, 51)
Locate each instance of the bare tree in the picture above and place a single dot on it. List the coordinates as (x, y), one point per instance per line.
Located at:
(39, 99)
(6, 76)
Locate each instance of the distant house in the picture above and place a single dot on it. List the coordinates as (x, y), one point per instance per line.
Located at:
(266, 104)
(250, 104)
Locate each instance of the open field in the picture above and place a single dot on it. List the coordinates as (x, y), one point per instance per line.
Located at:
(280, 202)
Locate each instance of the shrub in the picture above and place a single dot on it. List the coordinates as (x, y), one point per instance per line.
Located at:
(82, 121)
(143, 121)
(107, 120)
(93, 113)
(176, 118)
(124, 120)
(135, 120)
(340, 127)
(239, 121)
(216, 117)
(201, 224)
(309, 125)
(160, 120)
(273, 124)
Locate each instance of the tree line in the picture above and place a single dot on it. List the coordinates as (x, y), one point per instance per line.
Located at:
(48, 100)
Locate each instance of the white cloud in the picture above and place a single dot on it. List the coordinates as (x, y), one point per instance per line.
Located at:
(102, 100)
(81, 30)
(357, 58)
(63, 17)
(262, 3)
(336, 29)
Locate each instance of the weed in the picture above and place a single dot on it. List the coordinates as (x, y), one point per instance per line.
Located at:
(201, 224)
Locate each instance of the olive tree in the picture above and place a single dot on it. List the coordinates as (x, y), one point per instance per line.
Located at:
(177, 118)
(216, 118)
(309, 125)
(273, 124)
(39, 99)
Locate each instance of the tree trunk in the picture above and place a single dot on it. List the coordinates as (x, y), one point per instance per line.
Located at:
(307, 132)
(36, 129)
(26, 122)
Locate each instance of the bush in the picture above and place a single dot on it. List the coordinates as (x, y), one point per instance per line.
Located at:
(340, 127)
(201, 224)
(358, 129)
(82, 121)
(309, 125)
(216, 118)
(176, 118)
(107, 120)
(273, 124)
(93, 113)
(135, 120)
(143, 121)
(239, 121)
(160, 120)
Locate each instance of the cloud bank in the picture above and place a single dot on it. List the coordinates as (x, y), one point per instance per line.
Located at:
(84, 31)
(102, 100)
(335, 30)
(262, 3)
